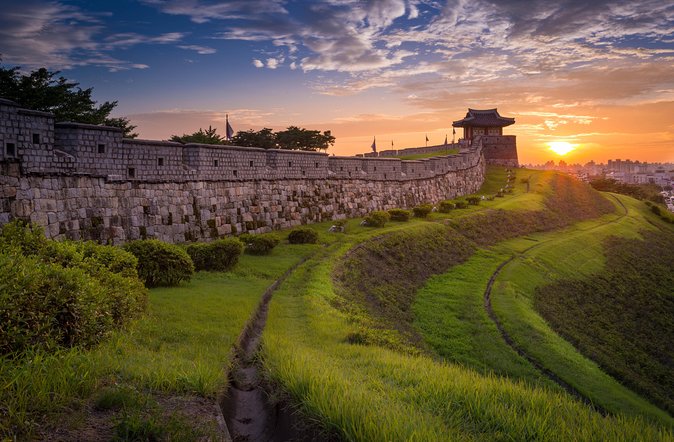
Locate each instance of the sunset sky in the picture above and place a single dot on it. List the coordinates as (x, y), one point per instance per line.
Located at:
(596, 74)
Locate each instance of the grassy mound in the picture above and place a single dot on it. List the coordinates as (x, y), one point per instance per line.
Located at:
(368, 392)
(383, 274)
(604, 316)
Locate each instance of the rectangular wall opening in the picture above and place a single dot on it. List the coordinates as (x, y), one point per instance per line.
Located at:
(36, 138)
(132, 172)
(101, 148)
(160, 161)
(215, 163)
(10, 149)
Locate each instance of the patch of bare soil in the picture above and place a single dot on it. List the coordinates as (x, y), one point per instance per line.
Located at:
(199, 416)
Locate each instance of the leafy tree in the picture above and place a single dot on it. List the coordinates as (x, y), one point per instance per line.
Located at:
(293, 138)
(208, 136)
(44, 90)
(263, 138)
(303, 139)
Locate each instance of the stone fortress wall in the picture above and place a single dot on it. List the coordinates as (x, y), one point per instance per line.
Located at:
(81, 181)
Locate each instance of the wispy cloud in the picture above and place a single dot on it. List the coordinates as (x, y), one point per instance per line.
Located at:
(201, 50)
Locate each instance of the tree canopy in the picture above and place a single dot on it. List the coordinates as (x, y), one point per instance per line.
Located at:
(208, 136)
(293, 138)
(264, 138)
(46, 91)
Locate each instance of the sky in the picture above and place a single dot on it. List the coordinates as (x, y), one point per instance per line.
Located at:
(596, 74)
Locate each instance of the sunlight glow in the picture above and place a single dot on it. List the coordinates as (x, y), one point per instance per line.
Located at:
(561, 147)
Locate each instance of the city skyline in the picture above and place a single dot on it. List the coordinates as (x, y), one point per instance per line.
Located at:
(597, 76)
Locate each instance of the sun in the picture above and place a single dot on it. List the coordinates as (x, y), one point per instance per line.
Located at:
(561, 147)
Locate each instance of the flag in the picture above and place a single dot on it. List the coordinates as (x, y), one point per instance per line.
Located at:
(445, 139)
(374, 144)
(427, 138)
(453, 131)
(229, 132)
(391, 144)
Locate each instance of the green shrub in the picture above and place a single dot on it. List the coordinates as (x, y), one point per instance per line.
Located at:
(25, 237)
(160, 263)
(303, 235)
(259, 244)
(461, 204)
(446, 206)
(62, 294)
(377, 218)
(219, 255)
(400, 214)
(422, 211)
(474, 200)
(655, 209)
(113, 258)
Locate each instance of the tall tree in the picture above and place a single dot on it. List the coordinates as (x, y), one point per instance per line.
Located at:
(44, 90)
(293, 138)
(263, 138)
(208, 136)
(296, 138)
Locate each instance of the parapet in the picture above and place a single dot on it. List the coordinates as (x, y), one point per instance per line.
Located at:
(43, 147)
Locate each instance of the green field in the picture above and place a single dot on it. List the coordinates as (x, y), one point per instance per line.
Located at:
(381, 334)
(421, 156)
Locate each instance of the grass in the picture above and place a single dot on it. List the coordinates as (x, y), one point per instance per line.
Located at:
(421, 156)
(182, 346)
(578, 253)
(604, 315)
(450, 315)
(368, 392)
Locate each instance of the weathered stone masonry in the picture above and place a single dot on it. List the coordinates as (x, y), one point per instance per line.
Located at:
(87, 182)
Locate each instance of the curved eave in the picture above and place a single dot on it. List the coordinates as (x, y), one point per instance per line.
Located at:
(472, 123)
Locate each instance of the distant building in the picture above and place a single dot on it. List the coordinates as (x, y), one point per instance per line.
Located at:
(487, 125)
(482, 122)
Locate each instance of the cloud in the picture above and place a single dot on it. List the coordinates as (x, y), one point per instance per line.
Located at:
(205, 11)
(37, 33)
(258, 63)
(202, 50)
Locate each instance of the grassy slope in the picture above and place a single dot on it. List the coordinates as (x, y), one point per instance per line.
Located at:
(182, 346)
(449, 309)
(604, 316)
(372, 393)
(420, 156)
(574, 255)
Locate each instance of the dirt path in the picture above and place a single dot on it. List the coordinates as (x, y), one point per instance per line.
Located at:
(247, 411)
(519, 350)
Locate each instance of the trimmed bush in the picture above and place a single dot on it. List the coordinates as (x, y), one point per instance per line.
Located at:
(160, 263)
(303, 235)
(474, 200)
(422, 211)
(461, 204)
(446, 206)
(400, 214)
(219, 255)
(377, 218)
(259, 244)
(62, 294)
